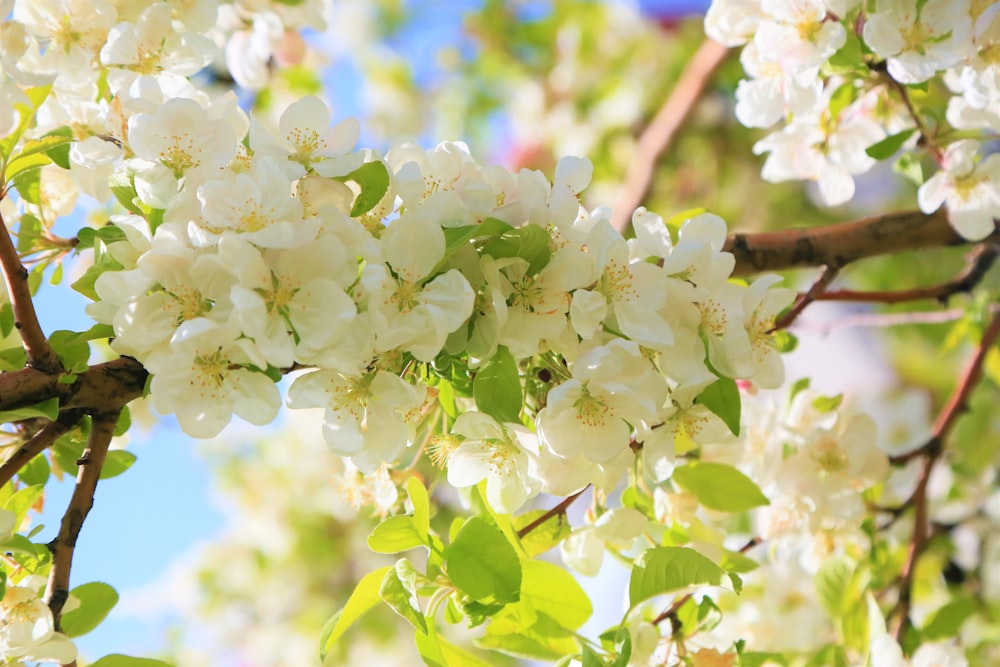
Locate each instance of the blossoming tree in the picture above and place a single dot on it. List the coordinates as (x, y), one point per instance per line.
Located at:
(488, 354)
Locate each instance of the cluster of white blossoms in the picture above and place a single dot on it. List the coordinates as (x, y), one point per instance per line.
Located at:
(849, 80)
(400, 284)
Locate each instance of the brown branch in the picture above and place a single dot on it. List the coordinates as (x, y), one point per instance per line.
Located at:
(40, 353)
(558, 510)
(37, 444)
(979, 263)
(102, 387)
(816, 290)
(661, 130)
(842, 243)
(101, 431)
(958, 403)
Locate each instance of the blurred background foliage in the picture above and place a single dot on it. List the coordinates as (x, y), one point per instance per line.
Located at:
(524, 83)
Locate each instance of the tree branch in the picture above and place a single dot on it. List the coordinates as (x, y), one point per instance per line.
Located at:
(957, 404)
(558, 510)
(37, 444)
(829, 274)
(979, 262)
(101, 431)
(842, 243)
(102, 387)
(40, 353)
(661, 130)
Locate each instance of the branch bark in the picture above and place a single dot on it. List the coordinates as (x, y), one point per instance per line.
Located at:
(661, 130)
(958, 403)
(62, 547)
(103, 387)
(840, 244)
(40, 353)
(37, 444)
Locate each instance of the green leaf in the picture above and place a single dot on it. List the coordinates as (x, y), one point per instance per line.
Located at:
(402, 598)
(553, 591)
(97, 599)
(120, 660)
(833, 585)
(542, 639)
(395, 534)
(888, 146)
(23, 500)
(364, 598)
(841, 99)
(117, 462)
(59, 153)
(49, 409)
(36, 472)
(483, 564)
(373, 178)
(666, 569)
(946, 621)
(546, 535)
(41, 146)
(28, 185)
(497, 388)
(849, 59)
(421, 505)
(722, 397)
(23, 164)
(29, 229)
(437, 651)
(456, 237)
(828, 403)
(123, 188)
(529, 242)
(720, 486)
(73, 351)
(124, 421)
(36, 96)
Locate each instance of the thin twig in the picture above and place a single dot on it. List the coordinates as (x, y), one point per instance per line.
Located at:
(825, 278)
(958, 403)
(979, 262)
(882, 320)
(101, 431)
(842, 243)
(671, 612)
(925, 134)
(661, 130)
(558, 510)
(40, 353)
(37, 444)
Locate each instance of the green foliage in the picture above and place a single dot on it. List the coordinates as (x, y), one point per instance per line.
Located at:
(364, 598)
(720, 486)
(483, 565)
(119, 660)
(96, 602)
(667, 569)
(530, 243)
(497, 387)
(373, 179)
(722, 397)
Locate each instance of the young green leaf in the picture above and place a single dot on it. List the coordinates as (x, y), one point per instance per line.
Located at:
(364, 598)
(402, 599)
(529, 242)
(395, 534)
(720, 486)
(97, 599)
(888, 146)
(120, 660)
(722, 397)
(497, 387)
(117, 462)
(373, 178)
(666, 569)
(421, 505)
(483, 564)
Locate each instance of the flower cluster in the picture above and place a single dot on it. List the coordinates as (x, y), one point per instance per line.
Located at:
(850, 80)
